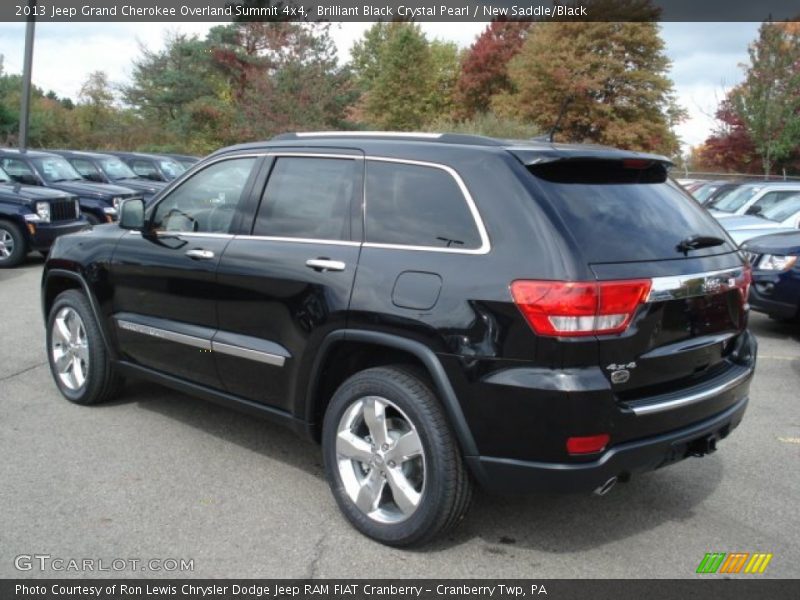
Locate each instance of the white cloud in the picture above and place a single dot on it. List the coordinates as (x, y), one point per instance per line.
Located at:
(706, 57)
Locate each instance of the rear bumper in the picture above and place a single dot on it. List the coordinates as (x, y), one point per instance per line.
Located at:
(508, 476)
(47, 233)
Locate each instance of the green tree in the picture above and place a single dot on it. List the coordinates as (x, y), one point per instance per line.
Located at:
(613, 78)
(768, 101)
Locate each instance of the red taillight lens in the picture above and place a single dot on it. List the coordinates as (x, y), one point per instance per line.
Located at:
(576, 308)
(744, 284)
(588, 444)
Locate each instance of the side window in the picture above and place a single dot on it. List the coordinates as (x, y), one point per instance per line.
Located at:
(308, 198)
(207, 201)
(144, 168)
(18, 170)
(85, 168)
(771, 199)
(415, 205)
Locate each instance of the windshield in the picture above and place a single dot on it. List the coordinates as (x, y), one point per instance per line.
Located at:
(55, 169)
(170, 168)
(704, 192)
(782, 210)
(4, 177)
(116, 169)
(736, 199)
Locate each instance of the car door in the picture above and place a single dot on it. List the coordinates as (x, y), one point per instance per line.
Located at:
(286, 283)
(164, 279)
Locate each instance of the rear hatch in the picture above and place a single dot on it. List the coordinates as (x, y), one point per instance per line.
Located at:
(629, 222)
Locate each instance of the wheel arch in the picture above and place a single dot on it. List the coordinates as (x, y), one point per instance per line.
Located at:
(330, 369)
(56, 281)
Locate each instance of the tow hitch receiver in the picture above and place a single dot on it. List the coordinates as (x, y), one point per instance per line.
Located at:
(702, 446)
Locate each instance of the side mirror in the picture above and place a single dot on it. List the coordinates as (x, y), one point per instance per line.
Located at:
(27, 179)
(131, 214)
(754, 210)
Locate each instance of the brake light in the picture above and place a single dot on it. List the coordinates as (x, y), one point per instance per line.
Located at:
(588, 444)
(579, 308)
(744, 284)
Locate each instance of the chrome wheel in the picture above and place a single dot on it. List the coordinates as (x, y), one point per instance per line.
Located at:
(70, 349)
(380, 459)
(6, 244)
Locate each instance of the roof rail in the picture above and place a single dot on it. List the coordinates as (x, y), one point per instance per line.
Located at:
(416, 136)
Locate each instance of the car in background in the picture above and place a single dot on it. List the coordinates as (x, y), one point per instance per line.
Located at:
(155, 167)
(185, 160)
(785, 213)
(703, 191)
(776, 274)
(749, 198)
(104, 168)
(99, 202)
(722, 191)
(32, 217)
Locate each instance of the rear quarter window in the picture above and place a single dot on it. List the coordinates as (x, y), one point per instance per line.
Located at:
(619, 214)
(417, 205)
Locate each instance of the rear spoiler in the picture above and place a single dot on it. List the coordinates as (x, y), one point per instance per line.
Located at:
(538, 155)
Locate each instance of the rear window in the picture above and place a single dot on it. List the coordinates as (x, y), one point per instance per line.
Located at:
(620, 211)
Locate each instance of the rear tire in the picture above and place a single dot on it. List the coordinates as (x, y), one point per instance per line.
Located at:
(391, 459)
(79, 361)
(12, 245)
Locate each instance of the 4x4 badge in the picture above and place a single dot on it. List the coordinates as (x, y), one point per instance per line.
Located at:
(620, 373)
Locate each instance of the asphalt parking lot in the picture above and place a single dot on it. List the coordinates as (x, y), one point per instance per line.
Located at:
(160, 475)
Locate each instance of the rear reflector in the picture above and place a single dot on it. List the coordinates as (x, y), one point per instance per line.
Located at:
(588, 444)
(579, 308)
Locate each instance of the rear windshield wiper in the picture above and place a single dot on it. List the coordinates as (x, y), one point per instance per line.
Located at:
(695, 242)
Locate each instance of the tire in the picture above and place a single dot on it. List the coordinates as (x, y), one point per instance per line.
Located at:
(11, 236)
(79, 360)
(410, 491)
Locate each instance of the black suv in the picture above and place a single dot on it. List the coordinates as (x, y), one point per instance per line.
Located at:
(31, 218)
(436, 309)
(104, 168)
(99, 202)
(151, 166)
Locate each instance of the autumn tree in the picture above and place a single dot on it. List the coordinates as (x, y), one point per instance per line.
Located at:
(405, 79)
(484, 68)
(612, 78)
(768, 101)
(729, 147)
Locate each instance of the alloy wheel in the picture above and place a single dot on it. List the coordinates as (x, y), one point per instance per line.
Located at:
(70, 348)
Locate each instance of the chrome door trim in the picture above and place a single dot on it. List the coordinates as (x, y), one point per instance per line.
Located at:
(485, 246)
(165, 334)
(697, 284)
(649, 409)
(247, 353)
(271, 238)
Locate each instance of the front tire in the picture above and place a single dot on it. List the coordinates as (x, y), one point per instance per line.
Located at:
(391, 459)
(12, 245)
(79, 361)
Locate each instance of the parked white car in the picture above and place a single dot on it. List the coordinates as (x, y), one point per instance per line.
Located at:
(752, 197)
(783, 216)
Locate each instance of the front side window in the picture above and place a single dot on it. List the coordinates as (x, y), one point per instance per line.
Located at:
(144, 168)
(19, 171)
(737, 199)
(115, 169)
(308, 198)
(415, 205)
(207, 201)
(170, 168)
(783, 210)
(770, 199)
(85, 168)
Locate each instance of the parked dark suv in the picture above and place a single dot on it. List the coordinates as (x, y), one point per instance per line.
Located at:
(99, 202)
(434, 309)
(31, 218)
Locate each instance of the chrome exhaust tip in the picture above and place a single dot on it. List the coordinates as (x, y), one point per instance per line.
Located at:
(606, 487)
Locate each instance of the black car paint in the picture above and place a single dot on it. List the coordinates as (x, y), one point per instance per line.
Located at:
(17, 201)
(776, 293)
(94, 198)
(512, 396)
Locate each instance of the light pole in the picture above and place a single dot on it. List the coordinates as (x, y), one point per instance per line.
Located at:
(27, 67)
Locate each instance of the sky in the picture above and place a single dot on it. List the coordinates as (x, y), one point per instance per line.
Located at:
(706, 58)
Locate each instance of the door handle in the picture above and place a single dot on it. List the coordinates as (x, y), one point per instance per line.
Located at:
(325, 264)
(200, 254)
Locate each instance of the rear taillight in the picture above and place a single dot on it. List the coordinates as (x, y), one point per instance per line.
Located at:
(579, 308)
(744, 283)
